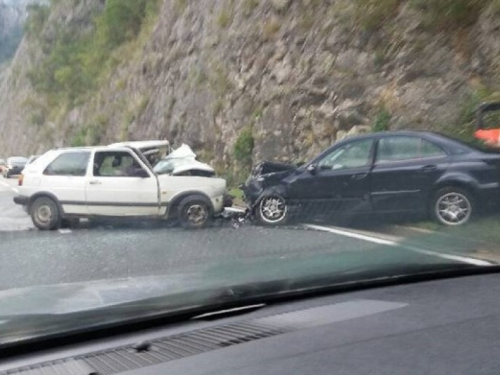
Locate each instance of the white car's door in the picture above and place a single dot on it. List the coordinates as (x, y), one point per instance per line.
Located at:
(114, 188)
(65, 178)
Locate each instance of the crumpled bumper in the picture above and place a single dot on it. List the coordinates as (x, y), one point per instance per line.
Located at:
(228, 200)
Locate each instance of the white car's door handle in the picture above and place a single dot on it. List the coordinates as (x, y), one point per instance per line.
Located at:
(95, 182)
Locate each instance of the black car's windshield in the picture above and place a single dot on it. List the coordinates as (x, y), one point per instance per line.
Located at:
(166, 142)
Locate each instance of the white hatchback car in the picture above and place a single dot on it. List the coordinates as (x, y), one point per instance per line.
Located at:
(113, 182)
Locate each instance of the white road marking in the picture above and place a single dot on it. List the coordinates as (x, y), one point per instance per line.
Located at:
(65, 231)
(380, 241)
(15, 190)
(358, 236)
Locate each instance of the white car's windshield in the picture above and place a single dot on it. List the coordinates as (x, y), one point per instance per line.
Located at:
(164, 140)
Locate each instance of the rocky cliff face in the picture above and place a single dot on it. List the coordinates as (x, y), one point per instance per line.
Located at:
(290, 77)
(12, 16)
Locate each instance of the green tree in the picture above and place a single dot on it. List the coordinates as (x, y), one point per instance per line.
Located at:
(123, 20)
(37, 16)
(243, 148)
(382, 120)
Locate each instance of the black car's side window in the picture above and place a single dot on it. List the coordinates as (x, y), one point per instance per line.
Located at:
(69, 164)
(406, 148)
(429, 149)
(351, 155)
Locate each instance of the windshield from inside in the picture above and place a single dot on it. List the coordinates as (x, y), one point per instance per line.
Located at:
(170, 137)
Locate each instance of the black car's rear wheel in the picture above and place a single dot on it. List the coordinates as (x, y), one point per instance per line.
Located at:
(452, 206)
(272, 210)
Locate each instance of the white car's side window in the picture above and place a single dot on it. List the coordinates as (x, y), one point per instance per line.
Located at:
(116, 164)
(69, 164)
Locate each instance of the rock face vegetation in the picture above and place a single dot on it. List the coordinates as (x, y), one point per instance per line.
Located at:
(246, 80)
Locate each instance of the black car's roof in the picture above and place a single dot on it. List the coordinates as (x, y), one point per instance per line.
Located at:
(441, 139)
(398, 132)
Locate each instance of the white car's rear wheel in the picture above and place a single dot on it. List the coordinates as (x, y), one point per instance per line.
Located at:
(45, 214)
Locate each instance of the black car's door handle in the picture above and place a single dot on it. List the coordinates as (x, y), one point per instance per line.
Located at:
(359, 176)
(428, 168)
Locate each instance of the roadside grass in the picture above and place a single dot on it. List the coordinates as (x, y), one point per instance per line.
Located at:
(485, 229)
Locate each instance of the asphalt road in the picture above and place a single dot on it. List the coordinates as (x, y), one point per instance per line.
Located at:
(30, 257)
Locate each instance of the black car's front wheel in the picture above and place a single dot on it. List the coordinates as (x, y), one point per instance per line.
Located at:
(272, 210)
(452, 206)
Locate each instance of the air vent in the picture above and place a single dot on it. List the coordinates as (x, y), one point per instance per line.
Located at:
(131, 357)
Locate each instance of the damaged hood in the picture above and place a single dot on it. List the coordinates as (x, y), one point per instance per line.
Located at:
(265, 175)
(270, 172)
(267, 167)
(181, 160)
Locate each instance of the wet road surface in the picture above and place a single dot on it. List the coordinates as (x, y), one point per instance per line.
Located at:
(135, 249)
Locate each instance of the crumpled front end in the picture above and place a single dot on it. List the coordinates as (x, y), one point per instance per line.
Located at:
(182, 162)
(264, 176)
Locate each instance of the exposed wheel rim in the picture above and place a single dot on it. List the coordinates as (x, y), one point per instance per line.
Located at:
(453, 208)
(44, 214)
(273, 209)
(196, 214)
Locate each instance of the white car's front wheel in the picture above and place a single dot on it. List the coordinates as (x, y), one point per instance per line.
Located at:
(45, 213)
(194, 213)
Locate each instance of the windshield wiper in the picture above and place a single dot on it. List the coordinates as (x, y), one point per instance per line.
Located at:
(226, 313)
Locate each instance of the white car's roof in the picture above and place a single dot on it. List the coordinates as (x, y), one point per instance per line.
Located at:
(91, 148)
(142, 144)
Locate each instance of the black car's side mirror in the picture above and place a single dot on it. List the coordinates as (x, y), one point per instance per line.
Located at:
(312, 168)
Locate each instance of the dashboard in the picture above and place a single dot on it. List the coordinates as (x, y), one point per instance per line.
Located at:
(448, 326)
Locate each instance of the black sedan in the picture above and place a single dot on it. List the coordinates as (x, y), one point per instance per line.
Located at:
(389, 172)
